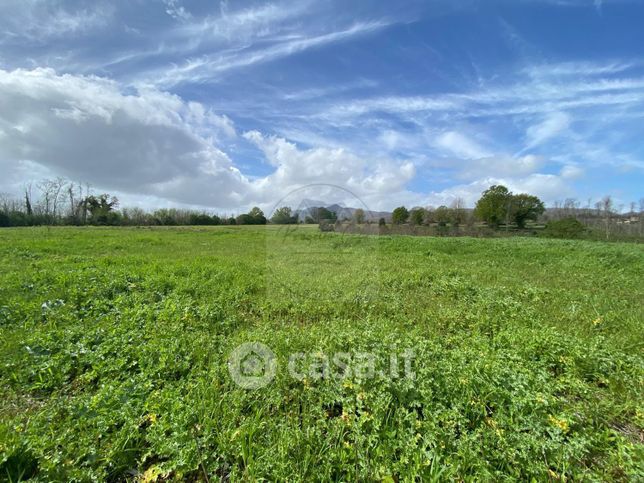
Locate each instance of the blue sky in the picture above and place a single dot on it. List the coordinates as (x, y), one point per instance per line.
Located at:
(225, 105)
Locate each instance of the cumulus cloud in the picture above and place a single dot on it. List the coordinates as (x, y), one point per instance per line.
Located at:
(152, 143)
(548, 187)
(87, 128)
(297, 167)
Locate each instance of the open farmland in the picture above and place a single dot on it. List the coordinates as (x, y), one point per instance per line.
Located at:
(115, 344)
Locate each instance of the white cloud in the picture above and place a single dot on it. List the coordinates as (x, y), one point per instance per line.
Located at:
(571, 171)
(577, 69)
(150, 144)
(297, 167)
(210, 66)
(88, 129)
(460, 145)
(40, 20)
(501, 166)
(176, 10)
(553, 125)
(547, 187)
(542, 89)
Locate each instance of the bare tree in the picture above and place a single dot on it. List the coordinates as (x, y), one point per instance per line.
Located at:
(640, 216)
(606, 206)
(458, 211)
(570, 207)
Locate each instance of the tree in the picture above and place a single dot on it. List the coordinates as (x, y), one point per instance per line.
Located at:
(101, 208)
(202, 219)
(254, 217)
(257, 215)
(359, 216)
(28, 207)
(382, 222)
(606, 205)
(459, 215)
(494, 205)
(320, 214)
(442, 215)
(400, 215)
(525, 207)
(417, 216)
(283, 216)
(640, 217)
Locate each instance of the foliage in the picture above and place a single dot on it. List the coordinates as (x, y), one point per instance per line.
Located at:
(565, 228)
(114, 347)
(498, 204)
(254, 217)
(494, 205)
(204, 219)
(442, 215)
(417, 216)
(101, 209)
(284, 216)
(359, 216)
(400, 215)
(526, 207)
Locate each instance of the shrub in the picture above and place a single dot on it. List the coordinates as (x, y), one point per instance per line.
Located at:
(565, 228)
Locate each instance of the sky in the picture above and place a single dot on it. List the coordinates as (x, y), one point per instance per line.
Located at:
(223, 105)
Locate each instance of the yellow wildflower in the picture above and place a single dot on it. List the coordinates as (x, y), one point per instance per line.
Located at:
(559, 423)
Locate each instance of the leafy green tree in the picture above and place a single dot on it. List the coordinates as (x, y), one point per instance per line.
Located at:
(254, 217)
(525, 207)
(244, 219)
(443, 215)
(494, 205)
(400, 215)
(382, 222)
(203, 219)
(320, 214)
(359, 216)
(283, 216)
(258, 216)
(101, 208)
(417, 216)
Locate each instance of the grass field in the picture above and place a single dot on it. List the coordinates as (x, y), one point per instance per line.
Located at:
(115, 344)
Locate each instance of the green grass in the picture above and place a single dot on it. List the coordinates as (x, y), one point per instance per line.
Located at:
(114, 345)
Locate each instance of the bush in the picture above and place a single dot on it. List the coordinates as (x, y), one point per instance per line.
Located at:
(565, 228)
(326, 225)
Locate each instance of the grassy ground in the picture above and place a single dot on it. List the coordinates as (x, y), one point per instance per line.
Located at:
(114, 347)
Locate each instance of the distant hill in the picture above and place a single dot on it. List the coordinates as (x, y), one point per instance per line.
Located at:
(307, 206)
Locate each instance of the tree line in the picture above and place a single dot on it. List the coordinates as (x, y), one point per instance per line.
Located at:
(63, 202)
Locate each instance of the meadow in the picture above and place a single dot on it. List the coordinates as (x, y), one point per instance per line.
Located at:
(115, 345)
